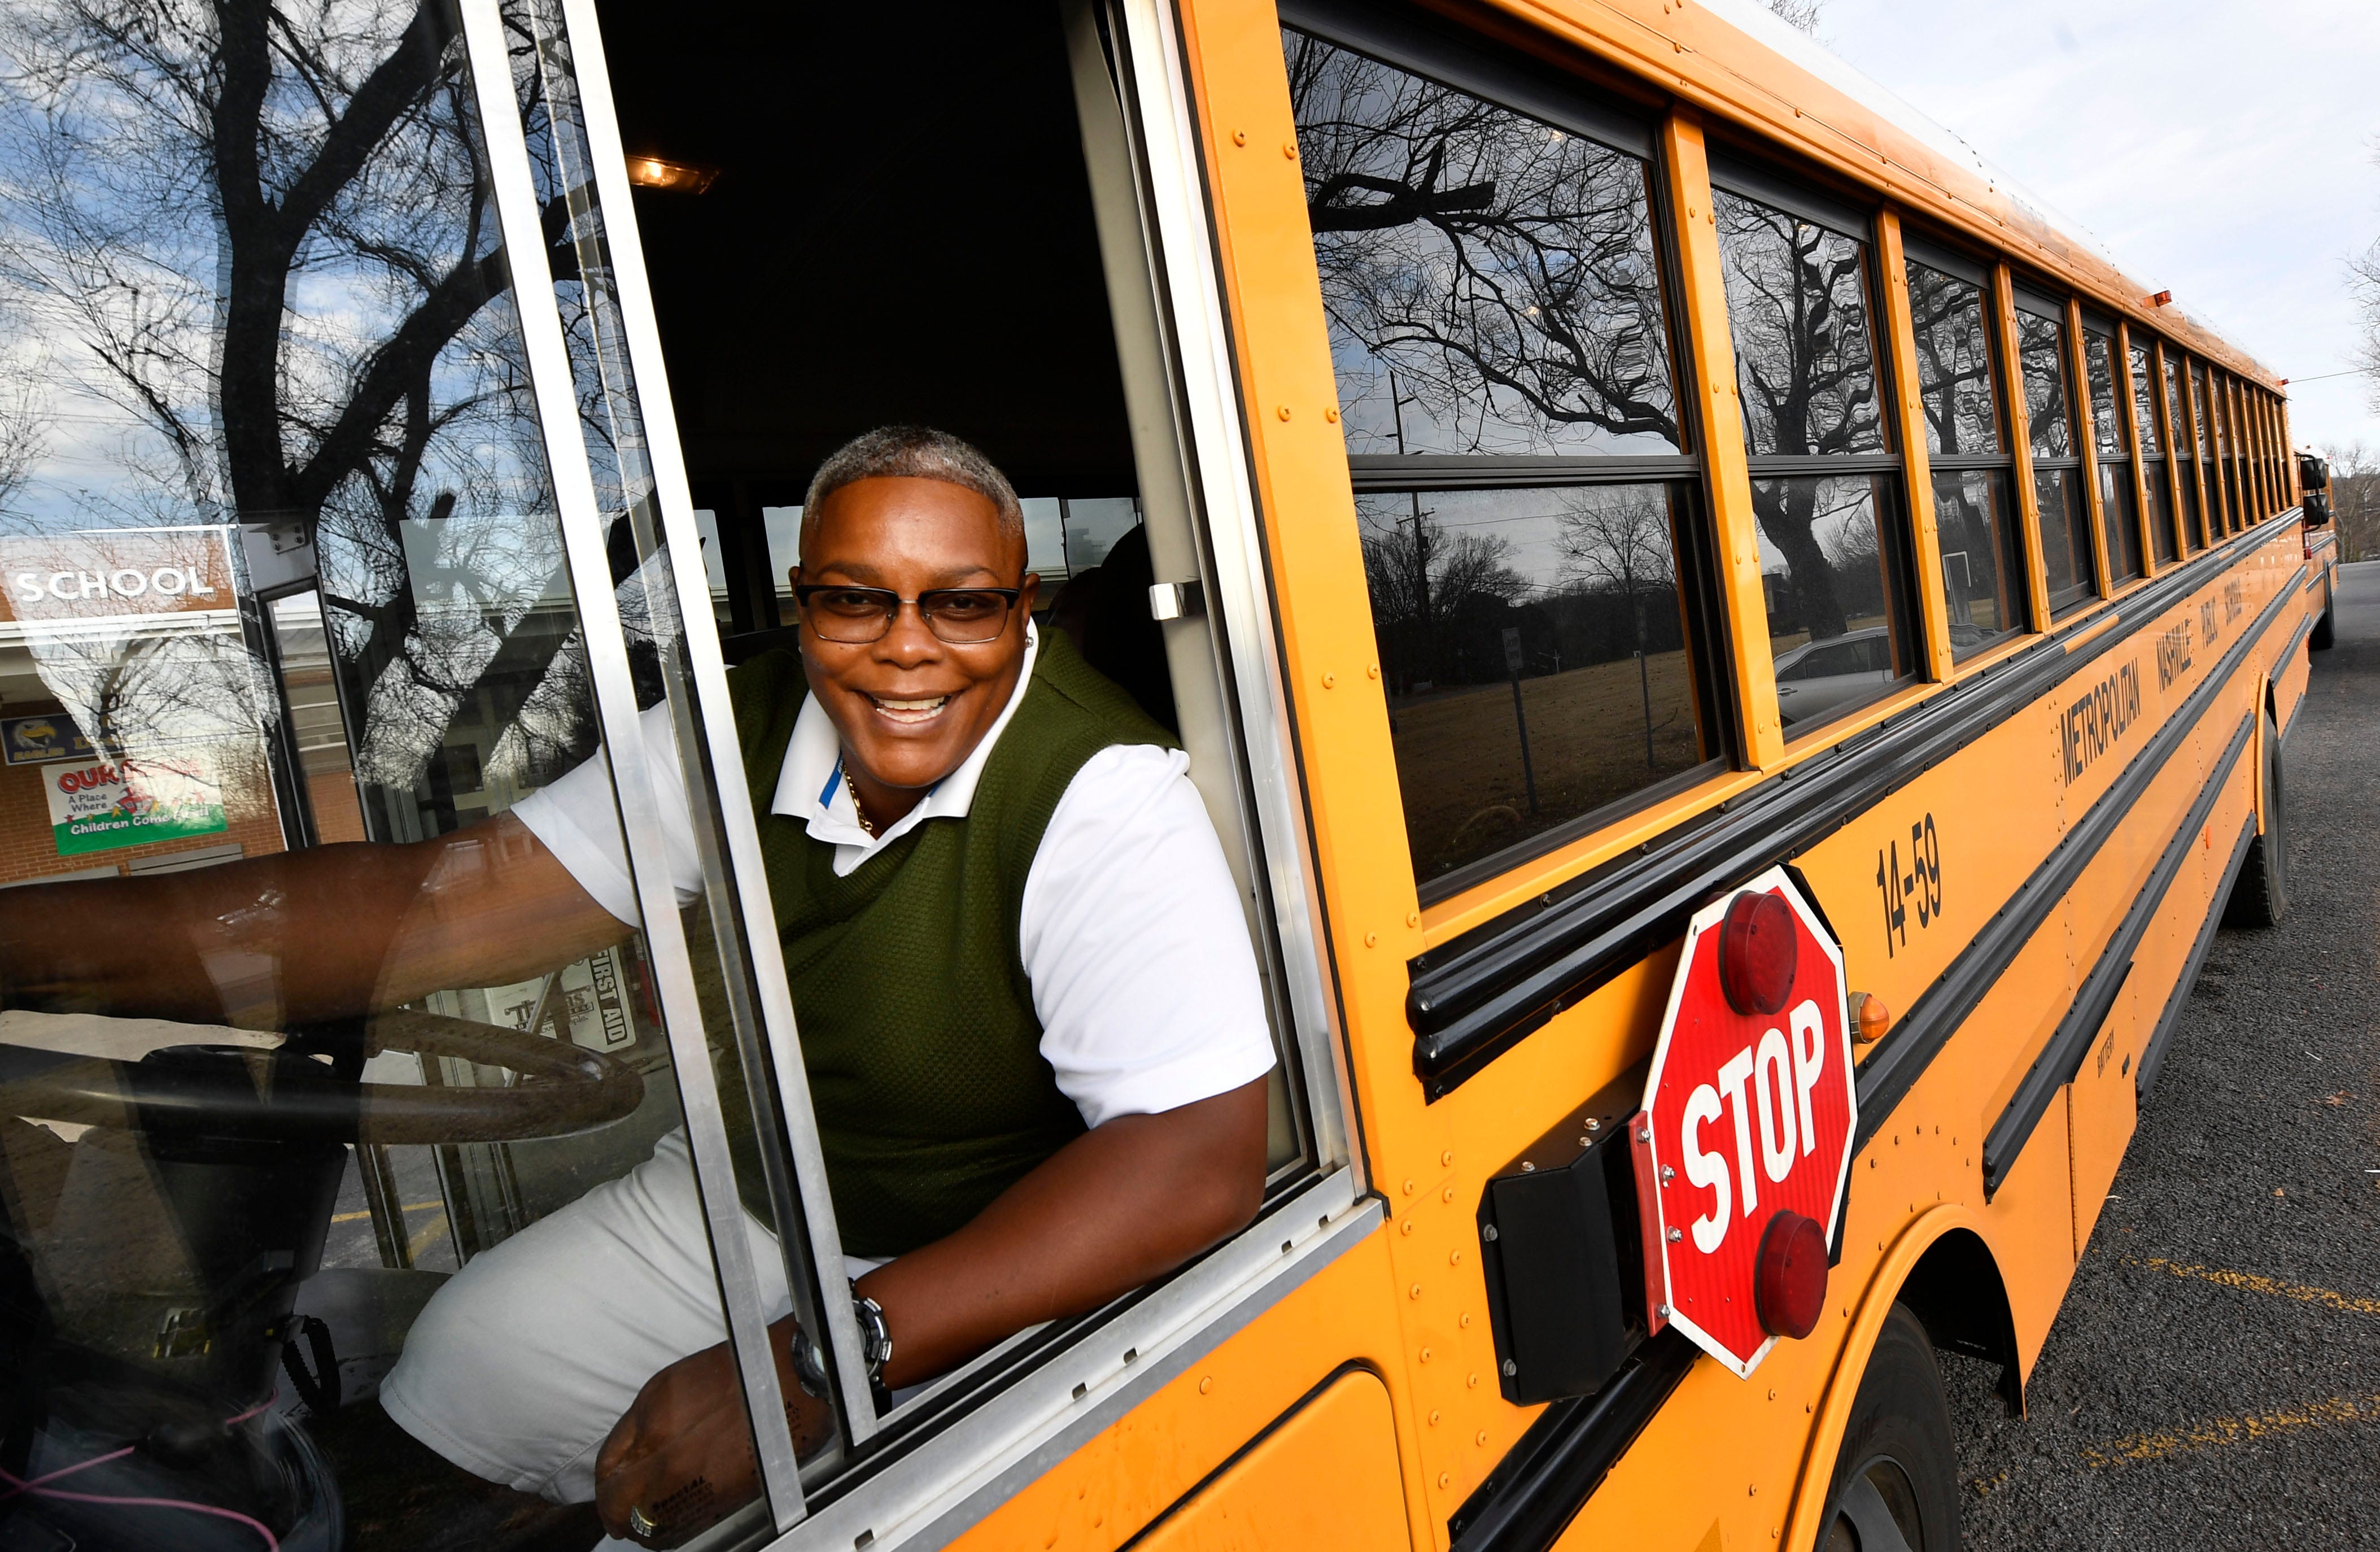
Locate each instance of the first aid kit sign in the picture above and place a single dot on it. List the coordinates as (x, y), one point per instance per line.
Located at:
(1745, 1138)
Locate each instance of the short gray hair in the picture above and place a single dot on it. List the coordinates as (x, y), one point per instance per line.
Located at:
(912, 452)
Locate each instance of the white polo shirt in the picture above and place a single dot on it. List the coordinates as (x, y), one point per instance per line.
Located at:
(1130, 930)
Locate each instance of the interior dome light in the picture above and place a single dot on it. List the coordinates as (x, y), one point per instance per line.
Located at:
(1758, 952)
(1788, 1278)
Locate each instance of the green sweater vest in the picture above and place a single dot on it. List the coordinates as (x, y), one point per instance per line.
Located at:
(916, 1019)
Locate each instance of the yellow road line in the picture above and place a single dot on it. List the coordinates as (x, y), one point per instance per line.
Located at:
(429, 1232)
(2231, 1430)
(2251, 1283)
(408, 1207)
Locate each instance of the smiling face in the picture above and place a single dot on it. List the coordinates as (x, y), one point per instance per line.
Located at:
(911, 707)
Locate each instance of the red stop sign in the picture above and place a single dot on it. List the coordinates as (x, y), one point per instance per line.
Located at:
(1747, 1114)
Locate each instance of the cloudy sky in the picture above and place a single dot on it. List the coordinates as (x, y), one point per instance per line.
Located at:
(2221, 149)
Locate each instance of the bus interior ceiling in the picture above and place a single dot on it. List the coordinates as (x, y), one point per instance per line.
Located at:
(900, 231)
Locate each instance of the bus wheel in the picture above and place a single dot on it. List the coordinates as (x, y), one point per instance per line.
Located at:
(1896, 1487)
(2260, 895)
(2323, 633)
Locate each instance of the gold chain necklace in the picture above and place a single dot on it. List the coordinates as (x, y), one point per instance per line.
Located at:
(858, 810)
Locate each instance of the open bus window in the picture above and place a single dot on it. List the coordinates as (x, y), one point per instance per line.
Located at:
(2042, 364)
(1826, 483)
(271, 1108)
(1975, 515)
(1497, 322)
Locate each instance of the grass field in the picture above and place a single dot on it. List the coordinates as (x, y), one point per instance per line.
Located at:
(1458, 753)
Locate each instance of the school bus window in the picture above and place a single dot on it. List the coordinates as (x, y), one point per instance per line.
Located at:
(2153, 445)
(2116, 506)
(2180, 437)
(1983, 559)
(2210, 472)
(2066, 550)
(2227, 454)
(1496, 311)
(1826, 481)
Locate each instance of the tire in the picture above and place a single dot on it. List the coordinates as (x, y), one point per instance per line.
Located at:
(2319, 640)
(2260, 894)
(1896, 1486)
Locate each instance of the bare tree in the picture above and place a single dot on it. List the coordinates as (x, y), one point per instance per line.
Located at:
(1425, 583)
(1617, 542)
(2355, 498)
(1801, 15)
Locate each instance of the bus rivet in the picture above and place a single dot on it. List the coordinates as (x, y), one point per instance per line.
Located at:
(1239, 137)
(1644, 1134)
(1289, 149)
(1676, 1235)
(1283, 411)
(1593, 1124)
(1661, 1310)
(1489, 1233)
(1511, 1367)
(1668, 1175)
(1331, 415)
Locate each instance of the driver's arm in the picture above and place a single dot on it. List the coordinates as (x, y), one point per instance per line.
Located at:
(301, 936)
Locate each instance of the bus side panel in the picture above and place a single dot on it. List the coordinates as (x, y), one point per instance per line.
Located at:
(1326, 1475)
(1103, 1494)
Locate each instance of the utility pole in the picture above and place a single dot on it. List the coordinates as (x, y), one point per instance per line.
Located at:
(1397, 402)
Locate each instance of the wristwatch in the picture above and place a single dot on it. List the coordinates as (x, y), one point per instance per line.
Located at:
(875, 1347)
(875, 1336)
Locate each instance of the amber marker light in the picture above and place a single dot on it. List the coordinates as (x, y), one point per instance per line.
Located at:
(1869, 1018)
(2163, 299)
(1758, 953)
(678, 177)
(1788, 1276)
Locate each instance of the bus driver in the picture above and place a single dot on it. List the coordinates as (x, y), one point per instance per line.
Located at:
(1029, 1005)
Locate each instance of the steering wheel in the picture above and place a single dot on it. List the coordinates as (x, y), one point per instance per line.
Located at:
(305, 1088)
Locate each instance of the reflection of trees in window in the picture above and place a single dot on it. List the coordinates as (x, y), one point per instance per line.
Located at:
(1503, 269)
(263, 254)
(1954, 363)
(1426, 585)
(1805, 366)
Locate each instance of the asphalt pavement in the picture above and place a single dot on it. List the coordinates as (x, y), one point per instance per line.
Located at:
(2214, 1377)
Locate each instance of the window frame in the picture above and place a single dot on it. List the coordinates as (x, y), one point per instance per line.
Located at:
(1736, 171)
(2045, 306)
(1462, 62)
(1091, 1370)
(2143, 389)
(2117, 468)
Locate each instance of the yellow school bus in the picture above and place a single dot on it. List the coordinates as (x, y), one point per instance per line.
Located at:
(1579, 460)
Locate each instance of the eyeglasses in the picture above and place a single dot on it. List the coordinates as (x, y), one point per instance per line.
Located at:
(856, 616)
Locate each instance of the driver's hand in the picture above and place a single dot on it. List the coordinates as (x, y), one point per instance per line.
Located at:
(683, 1451)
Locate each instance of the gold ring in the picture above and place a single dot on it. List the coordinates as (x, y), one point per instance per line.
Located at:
(640, 1524)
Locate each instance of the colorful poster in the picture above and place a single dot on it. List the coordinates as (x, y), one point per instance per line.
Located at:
(31, 740)
(100, 806)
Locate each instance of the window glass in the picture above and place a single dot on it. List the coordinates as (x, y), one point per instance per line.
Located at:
(1954, 364)
(1490, 280)
(1840, 580)
(2184, 439)
(2067, 553)
(1535, 647)
(1983, 557)
(2145, 399)
(2107, 424)
(2153, 469)
(426, 1114)
(1797, 305)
